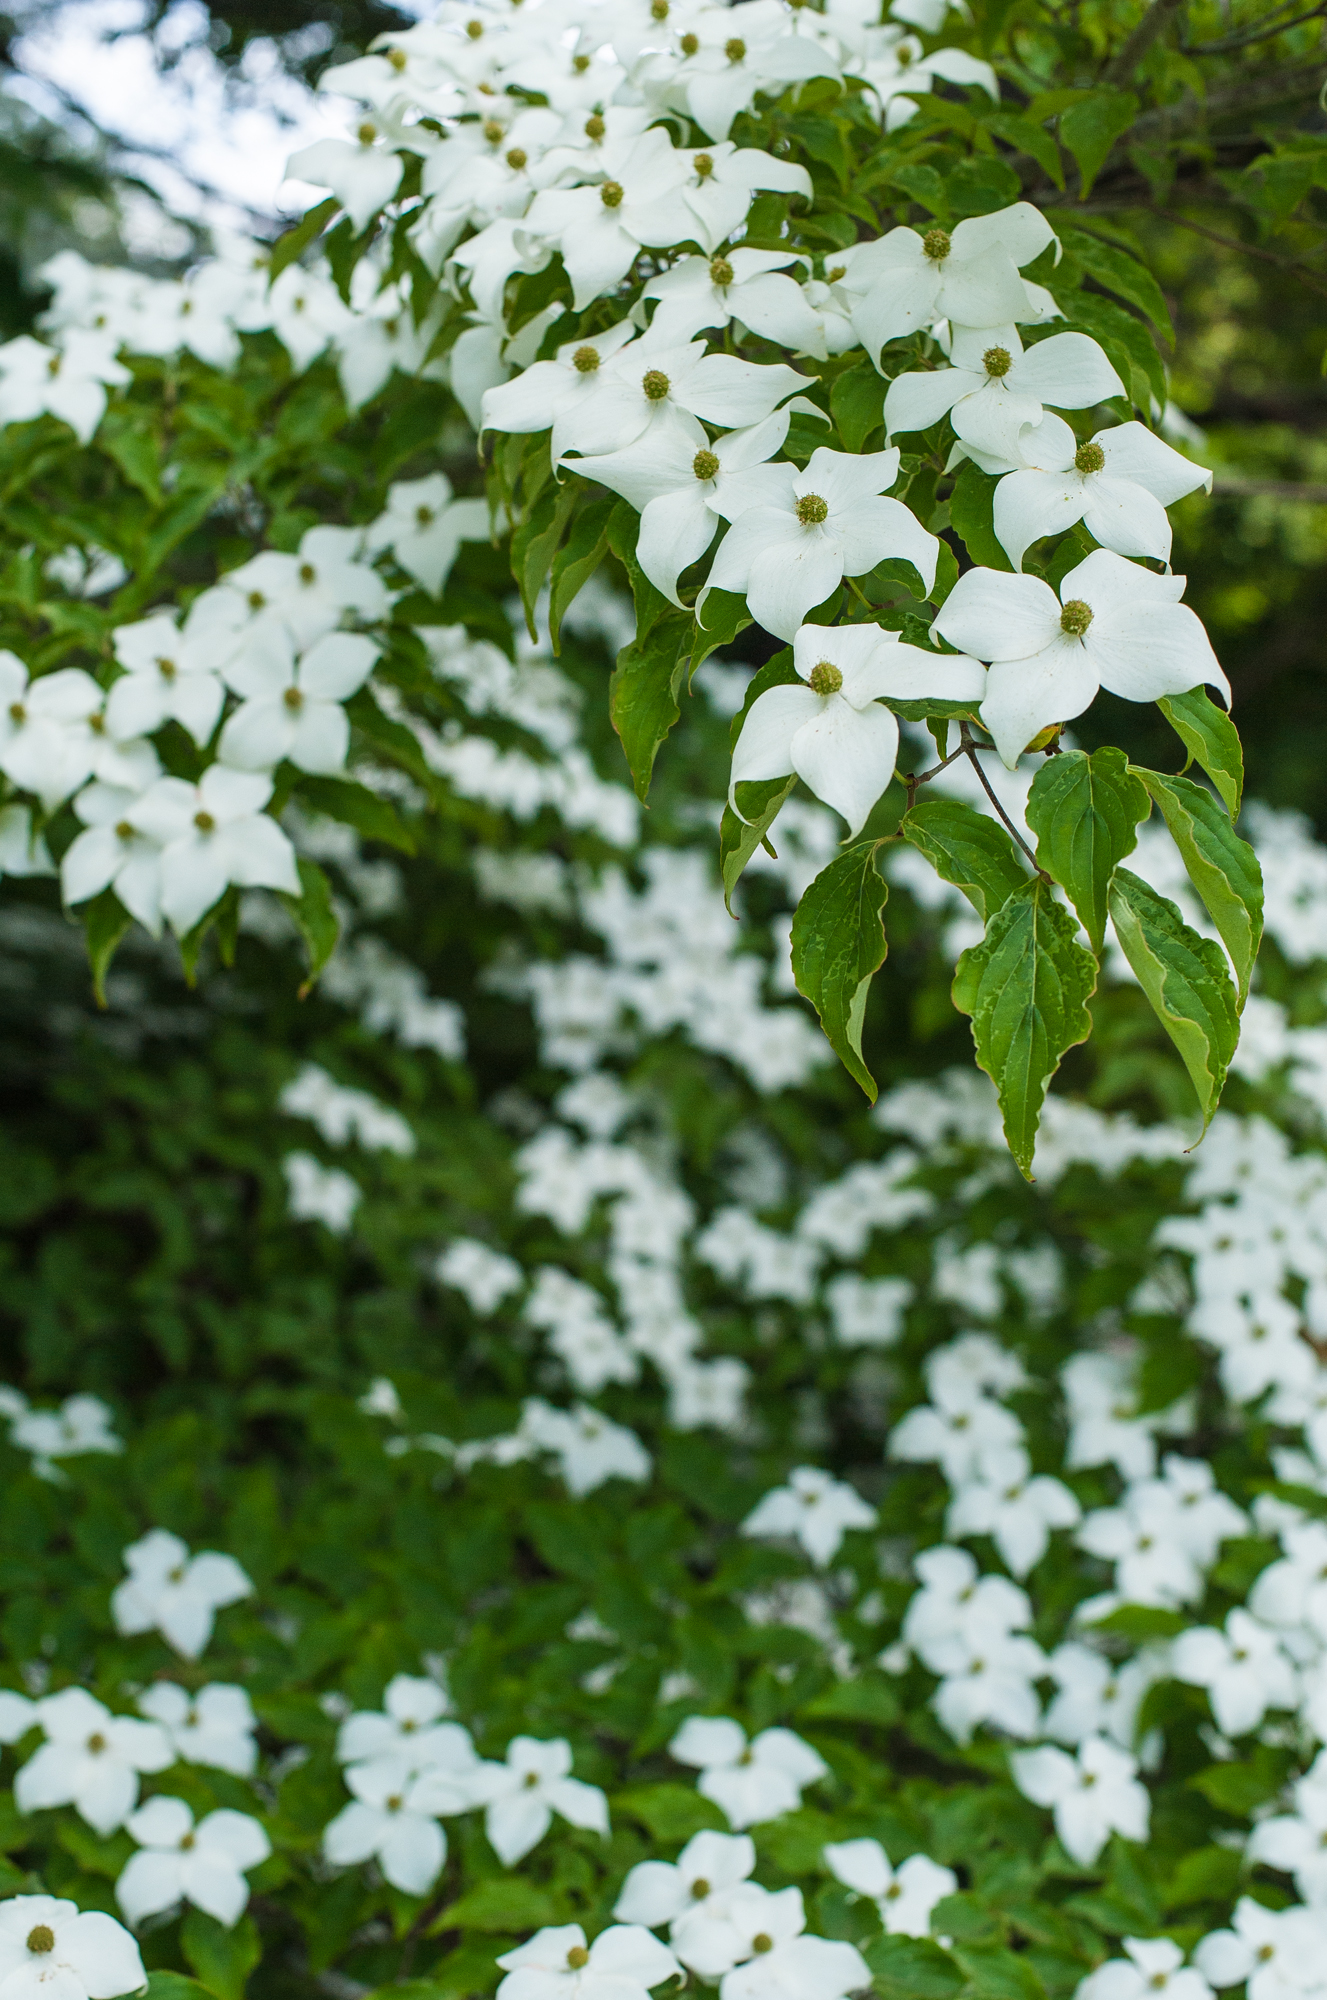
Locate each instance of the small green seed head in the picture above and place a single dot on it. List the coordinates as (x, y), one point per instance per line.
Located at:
(735, 49)
(580, 64)
(595, 127)
(517, 158)
(1089, 458)
(936, 244)
(367, 133)
(585, 360)
(704, 165)
(824, 678)
(493, 132)
(690, 44)
(811, 510)
(577, 1957)
(705, 465)
(997, 361)
(610, 194)
(655, 385)
(721, 271)
(1075, 618)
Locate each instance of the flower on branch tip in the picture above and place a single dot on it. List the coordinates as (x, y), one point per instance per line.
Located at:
(833, 732)
(179, 1861)
(49, 1947)
(813, 1508)
(752, 1781)
(169, 1591)
(623, 1963)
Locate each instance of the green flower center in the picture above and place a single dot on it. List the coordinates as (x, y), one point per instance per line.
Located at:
(734, 50)
(577, 1957)
(205, 824)
(1075, 617)
(721, 271)
(610, 194)
(580, 64)
(585, 360)
(700, 1889)
(997, 361)
(1089, 458)
(655, 384)
(705, 465)
(494, 132)
(167, 669)
(367, 134)
(690, 44)
(762, 1941)
(595, 127)
(704, 165)
(811, 510)
(292, 698)
(824, 678)
(936, 244)
(41, 1938)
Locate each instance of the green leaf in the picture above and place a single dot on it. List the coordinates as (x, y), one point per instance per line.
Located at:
(315, 917)
(1090, 128)
(1129, 346)
(1223, 868)
(535, 542)
(872, 1697)
(503, 1903)
(970, 516)
(726, 615)
(651, 604)
(173, 1986)
(967, 848)
(996, 1973)
(1240, 1788)
(909, 1968)
(1119, 272)
(739, 838)
(574, 565)
(838, 943)
(355, 805)
(126, 438)
(1083, 810)
(1142, 1621)
(857, 404)
(1026, 987)
(1185, 978)
(642, 695)
(1208, 1874)
(105, 921)
(1211, 739)
(297, 240)
(668, 1812)
(222, 1958)
(1028, 137)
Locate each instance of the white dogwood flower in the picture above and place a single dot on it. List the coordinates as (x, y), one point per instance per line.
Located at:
(215, 1726)
(803, 532)
(90, 1760)
(1243, 1669)
(522, 1795)
(623, 1963)
(412, 1707)
(52, 1950)
(361, 173)
(905, 1896)
(1113, 625)
(815, 1509)
(969, 275)
(1015, 1507)
(111, 853)
(834, 732)
(994, 389)
(1153, 1966)
(600, 230)
(384, 1822)
(179, 1861)
(654, 379)
(169, 1591)
(69, 381)
(708, 1869)
(46, 738)
(423, 525)
(1118, 484)
(1092, 1795)
(168, 678)
(293, 708)
(1296, 1842)
(750, 1782)
(212, 834)
(750, 286)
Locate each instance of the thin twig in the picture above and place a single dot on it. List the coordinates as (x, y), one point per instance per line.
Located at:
(1153, 24)
(1263, 34)
(914, 779)
(971, 749)
(1247, 249)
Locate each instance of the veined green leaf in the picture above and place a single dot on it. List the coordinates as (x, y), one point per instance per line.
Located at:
(1028, 137)
(1090, 128)
(1185, 978)
(1223, 868)
(536, 540)
(1026, 987)
(1083, 810)
(355, 805)
(297, 240)
(739, 838)
(642, 695)
(967, 848)
(1119, 272)
(838, 942)
(1211, 739)
(222, 1955)
(725, 616)
(317, 920)
(857, 404)
(576, 562)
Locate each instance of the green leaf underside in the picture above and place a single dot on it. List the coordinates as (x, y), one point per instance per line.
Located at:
(968, 849)
(1184, 977)
(1223, 868)
(838, 943)
(576, 562)
(761, 803)
(643, 693)
(1212, 741)
(314, 917)
(1084, 811)
(1026, 987)
(105, 921)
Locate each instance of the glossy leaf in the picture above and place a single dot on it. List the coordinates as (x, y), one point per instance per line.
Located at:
(1211, 739)
(1026, 987)
(838, 942)
(967, 848)
(1083, 810)
(643, 693)
(1185, 978)
(576, 562)
(1223, 868)
(1090, 128)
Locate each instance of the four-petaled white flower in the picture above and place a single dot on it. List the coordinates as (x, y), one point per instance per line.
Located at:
(52, 1950)
(361, 174)
(994, 389)
(90, 1760)
(1092, 1795)
(292, 708)
(212, 834)
(623, 1963)
(1114, 625)
(905, 1896)
(1296, 1842)
(424, 524)
(1016, 1507)
(522, 1795)
(803, 532)
(815, 1509)
(111, 853)
(180, 1862)
(215, 1726)
(1153, 1966)
(169, 1591)
(1243, 1669)
(752, 1781)
(968, 275)
(69, 381)
(46, 733)
(406, 1725)
(168, 677)
(700, 1881)
(1118, 483)
(386, 1822)
(1271, 1952)
(834, 731)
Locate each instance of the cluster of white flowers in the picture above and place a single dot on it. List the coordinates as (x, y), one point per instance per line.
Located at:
(81, 1423)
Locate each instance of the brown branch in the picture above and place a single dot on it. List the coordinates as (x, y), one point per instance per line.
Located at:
(1261, 88)
(970, 749)
(1246, 249)
(1153, 24)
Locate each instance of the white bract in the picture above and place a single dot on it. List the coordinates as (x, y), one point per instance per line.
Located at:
(212, 834)
(834, 731)
(623, 1963)
(1113, 625)
(387, 1821)
(409, 1725)
(52, 1950)
(1092, 1795)
(292, 708)
(815, 1509)
(801, 533)
(423, 525)
(1016, 1507)
(91, 1760)
(215, 1726)
(752, 1781)
(1153, 1965)
(169, 1591)
(168, 677)
(179, 1861)
(1118, 483)
(968, 275)
(700, 1881)
(522, 1795)
(1243, 1669)
(994, 390)
(69, 381)
(1296, 1842)
(905, 1896)
(111, 853)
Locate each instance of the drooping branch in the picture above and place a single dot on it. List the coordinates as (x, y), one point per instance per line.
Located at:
(1153, 25)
